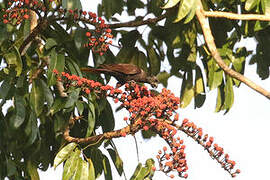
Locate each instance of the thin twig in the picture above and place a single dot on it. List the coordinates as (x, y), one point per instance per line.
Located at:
(213, 49)
(234, 16)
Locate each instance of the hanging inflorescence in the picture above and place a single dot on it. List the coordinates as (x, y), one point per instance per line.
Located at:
(99, 38)
(156, 112)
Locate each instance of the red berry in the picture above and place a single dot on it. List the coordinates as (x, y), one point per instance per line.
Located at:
(88, 34)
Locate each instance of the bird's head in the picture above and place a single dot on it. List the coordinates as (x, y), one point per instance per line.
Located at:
(153, 81)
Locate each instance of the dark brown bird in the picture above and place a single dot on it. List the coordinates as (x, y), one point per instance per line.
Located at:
(124, 73)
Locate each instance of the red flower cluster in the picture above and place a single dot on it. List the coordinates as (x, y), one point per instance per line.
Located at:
(99, 39)
(18, 10)
(214, 149)
(155, 112)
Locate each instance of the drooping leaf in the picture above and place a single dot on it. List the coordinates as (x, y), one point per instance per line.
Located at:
(163, 78)
(63, 154)
(13, 59)
(107, 168)
(112, 7)
(31, 129)
(37, 96)
(187, 90)
(229, 94)
(71, 164)
(140, 172)
(91, 116)
(19, 116)
(57, 61)
(153, 60)
(106, 118)
(118, 163)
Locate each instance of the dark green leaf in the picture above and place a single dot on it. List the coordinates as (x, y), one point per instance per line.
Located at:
(118, 163)
(107, 168)
(229, 94)
(106, 118)
(112, 7)
(58, 104)
(47, 94)
(72, 98)
(132, 5)
(13, 59)
(20, 111)
(31, 129)
(215, 74)
(50, 43)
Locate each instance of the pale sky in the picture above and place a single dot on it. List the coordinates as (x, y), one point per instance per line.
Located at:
(242, 132)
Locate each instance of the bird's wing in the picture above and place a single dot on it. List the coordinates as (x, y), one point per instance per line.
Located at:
(127, 69)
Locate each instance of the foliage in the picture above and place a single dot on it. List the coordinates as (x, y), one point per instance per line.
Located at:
(42, 37)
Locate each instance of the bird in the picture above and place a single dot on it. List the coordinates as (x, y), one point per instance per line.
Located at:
(124, 73)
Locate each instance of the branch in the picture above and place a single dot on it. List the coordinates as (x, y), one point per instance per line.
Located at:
(213, 49)
(137, 23)
(131, 129)
(234, 16)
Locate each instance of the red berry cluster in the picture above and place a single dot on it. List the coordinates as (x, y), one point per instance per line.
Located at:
(99, 39)
(17, 11)
(155, 112)
(214, 149)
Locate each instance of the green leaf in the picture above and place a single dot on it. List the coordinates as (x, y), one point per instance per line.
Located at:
(118, 163)
(63, 154)
(112, 7)
(58, 104)
(71, 165)
(73, 67)
(82, 171)
(37, 97)
(199, 85)
(229, 94)
(148, 134)
(91, 172)
(170, 4)
(80, 106)
(184, 8)
(57, 61)
(91, 116)
(13, 59)
(50, 43)
(32, 170)
(4, 89)
(140, 172)
(72, 98)
(71, 4)
(20, 111)
(132, 5)
(191, 13)
(187, 90)
(163, 78)
(47, 94)
(266, 7)
(80, 37)
(250, 4)
(129, 39)
(106, 118)
(107, 168)
(153, 60)
(31, 129)
(215, 74)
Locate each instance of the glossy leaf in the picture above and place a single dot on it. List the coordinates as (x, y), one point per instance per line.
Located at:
(71, 164)
(63, 154)
(170, 4)
(118, 163)
(199, 85)
(140, 172)
(184, 8)
(47, 94)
